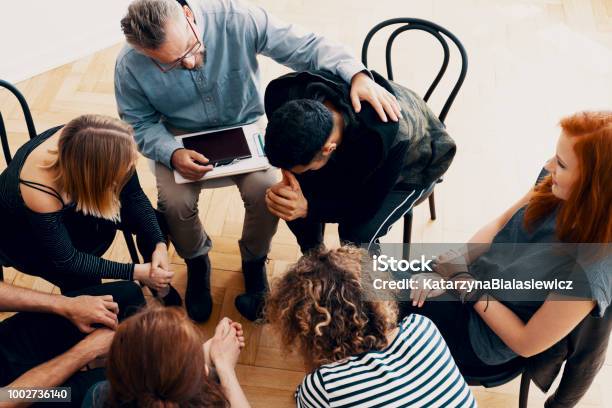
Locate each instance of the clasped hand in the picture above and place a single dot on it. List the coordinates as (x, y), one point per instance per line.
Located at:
(286, 200)
(156, 274)
(449, 265)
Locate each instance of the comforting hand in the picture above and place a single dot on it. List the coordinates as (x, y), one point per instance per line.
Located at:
(450, 263)
(286, 200)
(154, 278)
(423, 292)
(96, 344)
(86, 311)
(159, 258)
(225, 345)
(190, 164)
(363, 88)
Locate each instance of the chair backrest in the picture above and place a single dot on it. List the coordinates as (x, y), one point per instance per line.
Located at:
(584, 351)
(440, 33)
(494, 376)
(26, 114)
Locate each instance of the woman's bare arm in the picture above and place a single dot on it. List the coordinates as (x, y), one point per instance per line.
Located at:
(482, 239)
(554, 320)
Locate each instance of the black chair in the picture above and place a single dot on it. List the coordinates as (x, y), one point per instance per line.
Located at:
(503, 374)
(440, 33)
(4, 261)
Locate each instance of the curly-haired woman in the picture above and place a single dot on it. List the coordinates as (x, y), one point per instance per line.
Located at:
(354, 350)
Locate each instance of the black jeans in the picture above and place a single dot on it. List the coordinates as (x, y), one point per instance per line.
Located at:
(88, 234)
(451, 318)
(309, 231)
(30, 339)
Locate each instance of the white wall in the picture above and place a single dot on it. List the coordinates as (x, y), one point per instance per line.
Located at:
(37, 35)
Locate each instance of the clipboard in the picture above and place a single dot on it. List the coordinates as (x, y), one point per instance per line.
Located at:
(233, 150)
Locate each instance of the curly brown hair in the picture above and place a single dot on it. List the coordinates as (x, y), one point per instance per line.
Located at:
(319, 305)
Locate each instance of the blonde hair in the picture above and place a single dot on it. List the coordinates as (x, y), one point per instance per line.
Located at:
(95, 157)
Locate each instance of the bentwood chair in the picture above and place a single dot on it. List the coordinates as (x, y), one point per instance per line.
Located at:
(441, 34)
(4, 261)
(502, 374)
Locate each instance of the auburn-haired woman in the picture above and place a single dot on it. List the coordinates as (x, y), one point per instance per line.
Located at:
(59, 194)
(354, 350)
(158, 359)
(560, 230)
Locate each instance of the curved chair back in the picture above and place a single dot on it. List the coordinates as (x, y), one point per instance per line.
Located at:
(4, 138)
(26, 114)
(440, 34)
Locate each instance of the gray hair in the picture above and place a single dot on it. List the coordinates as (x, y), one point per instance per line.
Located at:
(144, 25)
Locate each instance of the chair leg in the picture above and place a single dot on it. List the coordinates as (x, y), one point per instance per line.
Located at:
(129, 240)
(432, 206)
(524, 392)
(407, 234)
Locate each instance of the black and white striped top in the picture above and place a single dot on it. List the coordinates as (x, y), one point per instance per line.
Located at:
(415, 370)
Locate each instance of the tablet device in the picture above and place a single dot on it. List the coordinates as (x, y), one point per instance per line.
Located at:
(221, 147)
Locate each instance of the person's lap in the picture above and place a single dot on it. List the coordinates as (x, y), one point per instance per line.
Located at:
(451, 318)
(179, 204)
(358, 231)
(30, 339)
(87, 233)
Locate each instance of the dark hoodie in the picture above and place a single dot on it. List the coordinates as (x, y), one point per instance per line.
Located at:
(374, 157)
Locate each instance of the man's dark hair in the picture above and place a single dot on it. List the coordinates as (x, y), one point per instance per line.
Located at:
(297, 132)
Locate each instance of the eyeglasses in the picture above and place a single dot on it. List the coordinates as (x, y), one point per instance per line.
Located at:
(194, 48)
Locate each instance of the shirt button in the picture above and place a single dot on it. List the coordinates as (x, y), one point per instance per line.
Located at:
(208, 99)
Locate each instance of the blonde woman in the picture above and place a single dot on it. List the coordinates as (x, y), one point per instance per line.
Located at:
(62, 190)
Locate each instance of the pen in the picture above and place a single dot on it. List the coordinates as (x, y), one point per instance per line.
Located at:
(261, 144)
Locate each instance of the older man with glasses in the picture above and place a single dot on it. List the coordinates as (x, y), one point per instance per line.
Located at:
(189, 67)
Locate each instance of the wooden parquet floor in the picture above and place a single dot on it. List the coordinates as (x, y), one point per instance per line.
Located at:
(269, 376)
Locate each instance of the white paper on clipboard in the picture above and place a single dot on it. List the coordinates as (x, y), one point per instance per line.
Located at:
(257, 161)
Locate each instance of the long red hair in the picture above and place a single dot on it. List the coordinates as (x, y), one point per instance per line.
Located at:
(157, 361)
(585, 215)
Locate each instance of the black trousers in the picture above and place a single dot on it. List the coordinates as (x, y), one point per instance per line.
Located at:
(451, 318)
(31, 339)
(88, 234)
(309, 231)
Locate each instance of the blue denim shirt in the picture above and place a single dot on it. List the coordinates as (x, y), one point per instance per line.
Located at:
(226, 90)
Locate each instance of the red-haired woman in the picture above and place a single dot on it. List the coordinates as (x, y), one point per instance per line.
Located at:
(569, 209)
(158, 360)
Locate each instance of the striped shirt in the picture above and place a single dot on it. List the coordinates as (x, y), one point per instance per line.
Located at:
(415, 370)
